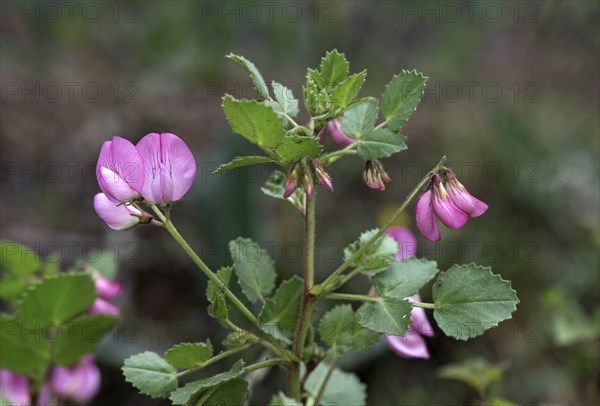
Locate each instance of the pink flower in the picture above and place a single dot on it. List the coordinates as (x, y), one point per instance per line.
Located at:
(118, 216)
(169, 165)
(80, 382)
(106, 288)
(334, 128)
(436, 202)
(407, 243)
(375, 176)
(412, 344)
(14, 388)
(462, 198)
(101, 306)
(120, 170)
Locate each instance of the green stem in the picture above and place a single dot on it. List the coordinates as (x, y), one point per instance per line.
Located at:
(203, 267)
(423, 305)
(325, 287)
(214, 359)
(263, 364)
(352, 297)
(307, 300)
(381, 125)
(325, 382)
(270, 346)
(335, 155)
(347, 277)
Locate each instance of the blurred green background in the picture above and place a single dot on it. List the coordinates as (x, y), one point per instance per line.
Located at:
(512, 100)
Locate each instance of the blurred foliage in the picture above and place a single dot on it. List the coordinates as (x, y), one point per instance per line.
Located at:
(532, 154)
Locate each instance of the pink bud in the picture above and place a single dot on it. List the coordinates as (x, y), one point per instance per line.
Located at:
(308, 184)
(375, 176)
(322, 177)
(118, 216)
(170, 168)
(292, 181)
(120, 170)
(80, 382)
(106, 288)
(101, 306)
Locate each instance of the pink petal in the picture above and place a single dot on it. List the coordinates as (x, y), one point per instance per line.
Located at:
(14, 388)
(426, 219)
(170, 167)
(407, 243)
(116, 215)
(334, 128)
(450, 215)
(120, 170)
(465, 201)
(411, 345)
(419, 321)
(107, 288)
(79, 382)
(101, 306)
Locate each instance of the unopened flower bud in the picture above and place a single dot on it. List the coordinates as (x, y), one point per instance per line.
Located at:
(292, 182)
(322, 176)
(308, 184)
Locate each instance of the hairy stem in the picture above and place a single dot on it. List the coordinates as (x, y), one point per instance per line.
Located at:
(203, 267)
(307, 300)
(262, 364)
(326, 286)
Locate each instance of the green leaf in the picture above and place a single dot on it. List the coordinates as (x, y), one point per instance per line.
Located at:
(243, 161)
(404, 278)
(189, 355)
(256, 122)
(401, 97)
(232, 393)
(285, 102)
(57, 298)
(343, 388)
(378, 256)
(191, 391)
(150, 374)
(360, 119)
(334, 68)
(255, 76)
(283, 308)
(254, 268)
(21, 351)
(79, 337)
(281, 400)
(340, 329)
(17, 259)
(380, 143)
(475, 372)
(295, 147)
(389, 315)
(346, 91)
(470, 299)
(215, 295)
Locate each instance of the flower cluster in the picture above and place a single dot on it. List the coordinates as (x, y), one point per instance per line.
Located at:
(304, 175)
(450, 202)
(159, 169)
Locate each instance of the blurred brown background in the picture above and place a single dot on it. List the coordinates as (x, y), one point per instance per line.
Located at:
(512, 100)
